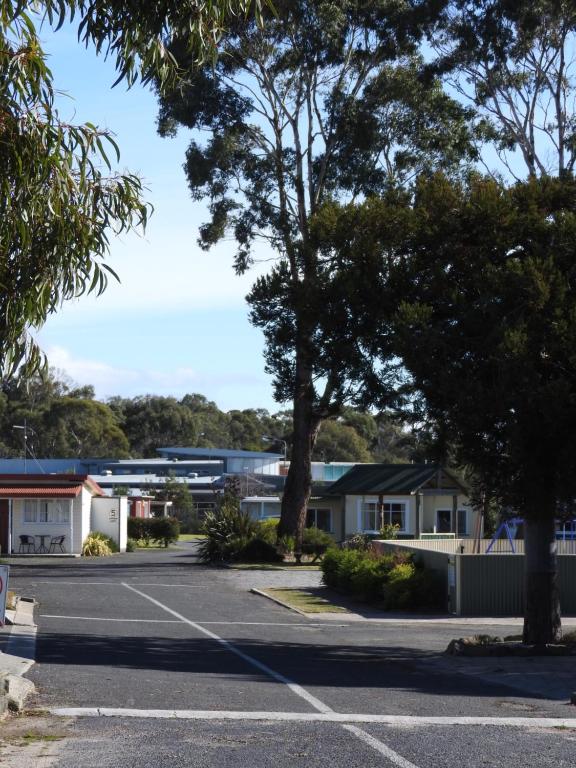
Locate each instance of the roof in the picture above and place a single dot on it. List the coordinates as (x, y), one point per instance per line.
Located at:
(155, 479)
(40, 492)
(220, 453)
(51, 485)
(388, 478)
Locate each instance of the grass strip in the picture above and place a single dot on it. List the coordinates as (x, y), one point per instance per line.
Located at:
(305, 601)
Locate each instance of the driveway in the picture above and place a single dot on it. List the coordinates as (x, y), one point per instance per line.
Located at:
(208, 674)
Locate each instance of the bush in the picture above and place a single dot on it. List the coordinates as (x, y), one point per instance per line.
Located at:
(258, 550)
(268, 530)
(97, 544)
(393, 579)
(164, 530)
(227, 531)
(131, 545)
(410, 586)
(315, 542)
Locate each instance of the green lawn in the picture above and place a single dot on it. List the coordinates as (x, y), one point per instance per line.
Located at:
(190, 536)
(304, 600)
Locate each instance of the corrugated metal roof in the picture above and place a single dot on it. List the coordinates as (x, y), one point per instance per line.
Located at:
(384, 478)
(34, 492)
(220, 453)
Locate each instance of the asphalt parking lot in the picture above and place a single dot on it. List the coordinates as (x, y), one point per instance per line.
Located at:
(154, 634)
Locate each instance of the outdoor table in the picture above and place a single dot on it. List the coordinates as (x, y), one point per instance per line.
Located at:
(42, 548)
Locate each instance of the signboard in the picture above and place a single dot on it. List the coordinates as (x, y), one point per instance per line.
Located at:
(4, 573)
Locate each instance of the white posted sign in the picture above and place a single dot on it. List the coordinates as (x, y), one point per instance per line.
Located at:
(4, 573)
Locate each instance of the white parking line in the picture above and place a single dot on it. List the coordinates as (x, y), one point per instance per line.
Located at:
(81, 583)
(99, 618)
(294, 687)
(379, 746)
(320, 717)
(178, 621)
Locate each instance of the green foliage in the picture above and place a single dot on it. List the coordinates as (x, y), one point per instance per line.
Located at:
(315, 542)
(323, 102)
(258, 550)
(163, 530)
(268, 531)
(389, 531)
(131, 545)
(226, 530)
(393, 580)
(97, 544)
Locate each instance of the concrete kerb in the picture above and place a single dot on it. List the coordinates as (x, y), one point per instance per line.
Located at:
(276, 600)
(18, 657)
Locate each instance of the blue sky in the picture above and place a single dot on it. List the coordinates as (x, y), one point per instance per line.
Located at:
(177, 323)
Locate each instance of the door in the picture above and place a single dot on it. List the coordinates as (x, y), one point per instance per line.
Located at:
(443, 520)
(4, 525)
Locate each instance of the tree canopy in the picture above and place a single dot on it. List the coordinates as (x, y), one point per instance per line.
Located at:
(61, 202)
(324, 101)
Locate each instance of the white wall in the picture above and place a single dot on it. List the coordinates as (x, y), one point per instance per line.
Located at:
(110, 517)
(73, 529)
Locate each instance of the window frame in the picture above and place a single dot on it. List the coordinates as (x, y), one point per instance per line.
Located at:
(55, 512)
(405, 503)
(330, 529)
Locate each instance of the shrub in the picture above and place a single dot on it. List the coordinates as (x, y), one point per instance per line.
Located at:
(410, 586)
(164, 530)
(97, 544)
(389, 531)
(393, 579)
(258, 550)
(268, 530)
(131, 545)
(315, 542)
(227, 531)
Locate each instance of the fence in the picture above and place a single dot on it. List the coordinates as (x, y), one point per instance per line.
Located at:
(485, 585)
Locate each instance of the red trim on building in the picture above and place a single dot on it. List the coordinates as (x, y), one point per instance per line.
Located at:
(34, 492)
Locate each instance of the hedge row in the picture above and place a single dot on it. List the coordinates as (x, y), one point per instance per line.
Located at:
(146, 529)
(394, 580)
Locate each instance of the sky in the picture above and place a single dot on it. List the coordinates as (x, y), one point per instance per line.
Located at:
(178, 321)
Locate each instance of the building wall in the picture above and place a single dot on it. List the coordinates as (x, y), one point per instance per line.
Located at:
(253, 466)
(75, 530)
(110, 517)
(431, 503)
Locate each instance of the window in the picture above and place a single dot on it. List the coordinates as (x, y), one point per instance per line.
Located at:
(29, 511)
(44, 511)
(462, 522)
(394, 514)
(319, 518)
(370, 516)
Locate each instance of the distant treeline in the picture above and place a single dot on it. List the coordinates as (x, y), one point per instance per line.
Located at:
(66, 420)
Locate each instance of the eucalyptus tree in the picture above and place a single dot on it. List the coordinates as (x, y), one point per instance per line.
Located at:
(60, 201)
(485, 270)
(323, 101)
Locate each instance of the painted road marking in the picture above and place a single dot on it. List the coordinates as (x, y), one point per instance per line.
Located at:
(319, 717)
(178, 621)
(379, 746)
(99, 618)
(81, 583)
(294, 687)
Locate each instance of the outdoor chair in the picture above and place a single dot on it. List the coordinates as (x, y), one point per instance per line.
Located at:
(56, 541)
(25, 543)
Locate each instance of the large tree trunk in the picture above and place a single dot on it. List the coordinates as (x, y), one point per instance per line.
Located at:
(542, 622)
(299, 479)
